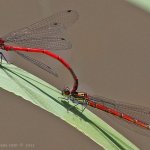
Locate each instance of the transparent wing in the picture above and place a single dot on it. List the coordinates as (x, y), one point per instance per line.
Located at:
(47, 32)
(65, 18)
(135, 111)
(38, 63)
(48, 43)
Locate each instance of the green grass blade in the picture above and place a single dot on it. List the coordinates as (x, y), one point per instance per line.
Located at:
(42, 94)
(144, 4)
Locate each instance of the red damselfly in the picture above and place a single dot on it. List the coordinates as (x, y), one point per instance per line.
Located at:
(48, 34)
(42, 36)
(133, 114)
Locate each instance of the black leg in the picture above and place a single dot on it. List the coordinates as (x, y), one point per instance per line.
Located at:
(72, 106)
(63, 98)
(3, 57)
(83, 108)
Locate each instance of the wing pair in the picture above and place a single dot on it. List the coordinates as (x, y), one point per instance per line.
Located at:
(45, 34)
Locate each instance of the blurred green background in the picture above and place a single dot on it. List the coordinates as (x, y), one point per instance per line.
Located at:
(145, 4)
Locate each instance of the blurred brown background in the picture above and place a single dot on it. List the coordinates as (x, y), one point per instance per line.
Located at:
(110, 54)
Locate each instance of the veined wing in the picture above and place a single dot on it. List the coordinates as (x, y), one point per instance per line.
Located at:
(46, 34)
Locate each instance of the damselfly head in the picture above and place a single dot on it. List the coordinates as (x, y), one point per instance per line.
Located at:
(66, 91)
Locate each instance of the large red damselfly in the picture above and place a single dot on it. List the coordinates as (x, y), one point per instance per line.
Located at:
(42, 36)
(46, 35)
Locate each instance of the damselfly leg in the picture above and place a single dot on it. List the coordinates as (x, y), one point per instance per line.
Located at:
(82, 102)
(71, 107)
(2, 57)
